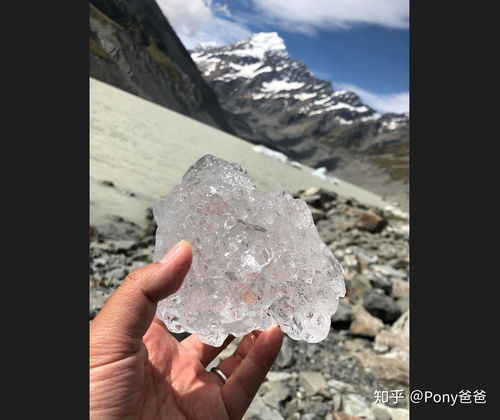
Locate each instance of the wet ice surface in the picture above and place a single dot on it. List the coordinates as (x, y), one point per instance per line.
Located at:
(258, 260)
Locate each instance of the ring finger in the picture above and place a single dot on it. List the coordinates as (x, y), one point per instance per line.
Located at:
(229, 365)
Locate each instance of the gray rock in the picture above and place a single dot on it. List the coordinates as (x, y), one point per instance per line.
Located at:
(292, 408)
(402, 325)
(350, 261)
(285, 357)
(365, 258)
(107, 183)
(387, 270)
(319, 197)
(356, 405)
(114, 277)
(97, 299)
(340, 387)
(381, 282)
(401, 264)
(123, 245)
(313, 382)
(145, 255)
(391, 367)
(381, 414)
(273, 393)
(310, 416)
(279, 376)
(358, 285)
(365, 324)
(393, 412)
(400, 288)
(344, 315)
(337, 402)
(100, 262)
(317, 214)
(327, 195)
(388, 340)
(317, 407)
(313, 200)
(258, 410)
(381, 306)
(371, 222)
(403, 303)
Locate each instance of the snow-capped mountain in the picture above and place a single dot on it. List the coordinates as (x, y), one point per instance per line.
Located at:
(258, 76)
(271, 99)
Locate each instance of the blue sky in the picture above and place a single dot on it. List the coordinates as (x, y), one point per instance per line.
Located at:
(360, 45)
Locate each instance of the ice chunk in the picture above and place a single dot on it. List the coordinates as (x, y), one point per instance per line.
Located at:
(258, 260)
(263, 150)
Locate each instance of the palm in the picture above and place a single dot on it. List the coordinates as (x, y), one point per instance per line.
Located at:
(176, 382)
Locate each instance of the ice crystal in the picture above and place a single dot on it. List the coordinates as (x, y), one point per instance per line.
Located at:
(258, 260)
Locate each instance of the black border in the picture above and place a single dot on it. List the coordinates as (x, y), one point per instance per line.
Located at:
(45, 160)
(452, 201)
(454, 224)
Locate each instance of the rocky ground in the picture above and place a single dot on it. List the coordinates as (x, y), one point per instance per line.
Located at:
(367, 348)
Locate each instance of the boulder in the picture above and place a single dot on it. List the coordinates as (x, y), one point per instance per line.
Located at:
(365, 324)
(356, 405)
(371, 222)
(258, 410)
(273, 393)
(357, 287)
(381, 282)
(285, 357)
(313, 382)
(384, 412)
(400, 288)
(388, 340)
(344, 315)
(317, 214)
(386, 367)
(381, 306)
(402, 325)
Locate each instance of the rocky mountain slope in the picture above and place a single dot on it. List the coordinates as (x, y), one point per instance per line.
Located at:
(270, 99)
(133, 47)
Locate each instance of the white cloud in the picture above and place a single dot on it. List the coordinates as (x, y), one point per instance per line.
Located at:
(197, 21)
(390, 102)
(223, 8)
(308, 16)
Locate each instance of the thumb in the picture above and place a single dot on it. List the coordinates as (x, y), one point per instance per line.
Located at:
(128, 313)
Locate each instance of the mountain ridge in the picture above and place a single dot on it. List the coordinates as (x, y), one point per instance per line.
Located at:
(271, 99)
(133, 47)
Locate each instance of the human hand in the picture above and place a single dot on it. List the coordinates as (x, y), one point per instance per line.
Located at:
(138, 370)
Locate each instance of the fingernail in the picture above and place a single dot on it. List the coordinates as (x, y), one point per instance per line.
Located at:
(176, 250)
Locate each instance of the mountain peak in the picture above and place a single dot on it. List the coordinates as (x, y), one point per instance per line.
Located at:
(268, 41)
(258, 70)
(255, 46)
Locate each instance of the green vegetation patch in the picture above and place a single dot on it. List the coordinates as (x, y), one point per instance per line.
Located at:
(396, 168)
(101, 17)
(159, 57)
(97, 50)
